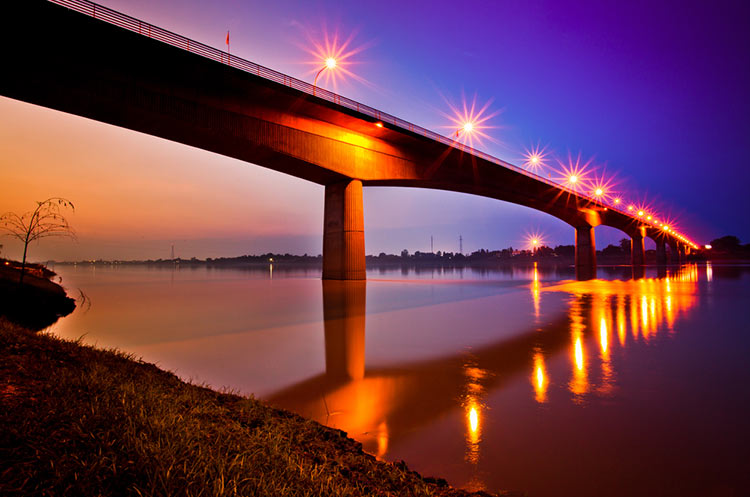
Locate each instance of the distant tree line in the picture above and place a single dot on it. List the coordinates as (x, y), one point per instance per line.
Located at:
(726, 247)
(542, 252)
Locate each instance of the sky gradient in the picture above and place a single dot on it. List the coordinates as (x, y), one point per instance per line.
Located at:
(655, 94)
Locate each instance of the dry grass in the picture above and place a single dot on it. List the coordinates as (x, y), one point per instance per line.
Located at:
(86, 422)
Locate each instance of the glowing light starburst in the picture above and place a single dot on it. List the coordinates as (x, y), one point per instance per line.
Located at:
(575, 173)
(470, 121)
(603, 189)
(533, 240)
(331, 58)
(535, 158)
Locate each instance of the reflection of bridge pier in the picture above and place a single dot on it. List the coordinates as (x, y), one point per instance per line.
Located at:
(344, 305)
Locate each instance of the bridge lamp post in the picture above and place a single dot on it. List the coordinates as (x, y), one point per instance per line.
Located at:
(330, 63)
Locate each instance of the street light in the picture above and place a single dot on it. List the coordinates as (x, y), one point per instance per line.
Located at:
(330, 63)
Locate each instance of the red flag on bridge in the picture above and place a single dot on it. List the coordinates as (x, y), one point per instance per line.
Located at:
(227, 37)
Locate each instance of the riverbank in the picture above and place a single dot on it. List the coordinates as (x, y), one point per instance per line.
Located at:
(82, 421)
(37, 303)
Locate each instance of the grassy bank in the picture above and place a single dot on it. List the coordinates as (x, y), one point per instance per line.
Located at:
(81, 421)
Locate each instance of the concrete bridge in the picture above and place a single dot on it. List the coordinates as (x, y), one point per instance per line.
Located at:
(78, 57)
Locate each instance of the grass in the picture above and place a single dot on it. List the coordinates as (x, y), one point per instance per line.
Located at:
(81, 421)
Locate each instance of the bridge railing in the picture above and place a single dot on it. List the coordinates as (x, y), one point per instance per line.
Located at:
(143, 28)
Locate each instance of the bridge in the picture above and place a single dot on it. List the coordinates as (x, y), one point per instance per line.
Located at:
(84, 59)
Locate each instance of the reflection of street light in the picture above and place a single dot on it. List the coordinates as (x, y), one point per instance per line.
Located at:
(330, 64)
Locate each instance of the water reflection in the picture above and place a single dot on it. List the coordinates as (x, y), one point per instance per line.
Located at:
(654, 306)
(539, 378)
(473, 406)
(482, 381)
(344, 316)
(378, 404)
(535, 291)
(578, 384)
(382, 406)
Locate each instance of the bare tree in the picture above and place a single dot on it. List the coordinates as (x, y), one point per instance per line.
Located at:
(44, 221)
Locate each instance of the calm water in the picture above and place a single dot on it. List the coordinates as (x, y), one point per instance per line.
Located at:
(517, 380)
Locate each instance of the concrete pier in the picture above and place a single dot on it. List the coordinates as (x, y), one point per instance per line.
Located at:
(585, 253)
(661, 252)
(637, 250)
(344, 232)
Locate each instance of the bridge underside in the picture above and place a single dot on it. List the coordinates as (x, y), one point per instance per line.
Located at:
(106, 73)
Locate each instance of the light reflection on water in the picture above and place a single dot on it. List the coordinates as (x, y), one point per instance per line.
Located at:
(494, 380)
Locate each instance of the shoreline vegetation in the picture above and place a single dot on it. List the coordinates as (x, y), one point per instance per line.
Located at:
(83, 421)
(727, 249)
(38, 302)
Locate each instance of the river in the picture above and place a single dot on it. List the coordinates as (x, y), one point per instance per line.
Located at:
(516, 379)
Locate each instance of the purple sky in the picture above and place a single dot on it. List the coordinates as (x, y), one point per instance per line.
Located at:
(655, 91)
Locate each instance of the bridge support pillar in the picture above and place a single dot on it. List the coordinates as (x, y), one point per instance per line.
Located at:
(344, 323)
(344, 232)
(661, 252)
(637, 250)
(674, 257)
(585, 253)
